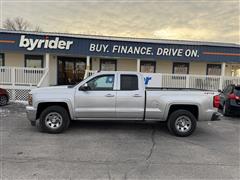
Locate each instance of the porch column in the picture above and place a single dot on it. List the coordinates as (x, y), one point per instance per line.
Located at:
(223, 69)
(47, 57)
(138, 65)
(47, 71)
(222, 75)
(88, 63)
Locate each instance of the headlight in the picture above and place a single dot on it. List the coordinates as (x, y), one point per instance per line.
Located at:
(30, 99)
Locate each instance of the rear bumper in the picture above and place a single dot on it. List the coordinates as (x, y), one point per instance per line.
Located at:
(233, 105)
(216, 116)
(31, 113)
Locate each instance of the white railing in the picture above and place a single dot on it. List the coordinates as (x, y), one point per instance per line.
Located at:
(28, 76)
(44, 81)
(174, 81)
(19, 76)
(204, 82)
(5, 75)
(186, 80)
(19, 81)
(230, 80)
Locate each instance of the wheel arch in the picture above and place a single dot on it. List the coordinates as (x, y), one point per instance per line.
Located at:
(43, 105)
(193, 108)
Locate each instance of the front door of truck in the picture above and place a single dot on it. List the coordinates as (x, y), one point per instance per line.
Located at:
(130, 98)
(98, 99)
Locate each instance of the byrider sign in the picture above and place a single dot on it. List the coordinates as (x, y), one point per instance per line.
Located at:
(115, 48)
(143, 50)
(31, 44)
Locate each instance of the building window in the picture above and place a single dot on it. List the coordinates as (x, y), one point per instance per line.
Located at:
(148, 66)
(108, 65)
(214, 69)
(2, 62)
(34, 61)
(180, 68)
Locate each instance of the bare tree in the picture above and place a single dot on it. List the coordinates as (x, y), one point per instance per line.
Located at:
(38, 29)
(19, 24)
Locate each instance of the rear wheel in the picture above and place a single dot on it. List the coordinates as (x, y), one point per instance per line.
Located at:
(182, 123)
(53, 119)
(3, 100)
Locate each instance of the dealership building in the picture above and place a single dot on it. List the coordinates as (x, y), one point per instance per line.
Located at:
(35, 59)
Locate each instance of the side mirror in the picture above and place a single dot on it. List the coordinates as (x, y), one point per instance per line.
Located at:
(219, 90)
(84, 87)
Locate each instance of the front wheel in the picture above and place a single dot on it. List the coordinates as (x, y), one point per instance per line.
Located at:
(182, 123)
(53, 119)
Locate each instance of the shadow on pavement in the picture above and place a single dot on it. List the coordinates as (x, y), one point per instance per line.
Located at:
(117, 125)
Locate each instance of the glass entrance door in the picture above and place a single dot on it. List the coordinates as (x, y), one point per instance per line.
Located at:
(70, 70)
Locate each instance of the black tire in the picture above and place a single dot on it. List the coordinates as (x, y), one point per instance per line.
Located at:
(177, 117)
(50, 114)
(3, 100)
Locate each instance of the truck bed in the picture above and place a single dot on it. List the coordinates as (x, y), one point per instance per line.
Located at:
(173, 89)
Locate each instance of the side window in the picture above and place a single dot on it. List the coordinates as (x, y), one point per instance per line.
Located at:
(224, 90)
(129, 82)
(101, 83)
(237, 91)
(227, 90)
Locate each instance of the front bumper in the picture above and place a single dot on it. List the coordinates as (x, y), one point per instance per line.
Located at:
(216, 116)
(31, 113)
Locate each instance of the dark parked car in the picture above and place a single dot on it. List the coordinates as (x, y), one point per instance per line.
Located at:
(230, 100)
(4, 97)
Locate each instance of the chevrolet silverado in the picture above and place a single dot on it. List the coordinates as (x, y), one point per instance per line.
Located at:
(120, 96)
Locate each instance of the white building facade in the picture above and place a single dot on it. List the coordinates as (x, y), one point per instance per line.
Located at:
(30, 60)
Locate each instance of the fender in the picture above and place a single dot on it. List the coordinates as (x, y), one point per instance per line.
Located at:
(167, 108)
(67, 101)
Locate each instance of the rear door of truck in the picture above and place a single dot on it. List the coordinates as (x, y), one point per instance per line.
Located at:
(130, 99)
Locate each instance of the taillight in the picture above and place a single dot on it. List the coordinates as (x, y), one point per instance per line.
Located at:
(216, 101)
(233, 96)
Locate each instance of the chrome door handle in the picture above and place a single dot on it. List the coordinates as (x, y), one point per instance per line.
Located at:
(109, 95)
(137, 95)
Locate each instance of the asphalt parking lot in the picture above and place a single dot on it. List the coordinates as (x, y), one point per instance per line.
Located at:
(117, 150)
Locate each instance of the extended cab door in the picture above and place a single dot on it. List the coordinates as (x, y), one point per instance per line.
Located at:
(99, 100)
(130, 97)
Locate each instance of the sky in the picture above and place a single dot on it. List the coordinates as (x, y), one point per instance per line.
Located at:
(197, 20)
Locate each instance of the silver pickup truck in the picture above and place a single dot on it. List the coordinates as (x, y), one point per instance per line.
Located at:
(120, 96)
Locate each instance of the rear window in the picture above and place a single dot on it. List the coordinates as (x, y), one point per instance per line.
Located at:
(237, 91)
(129, 82)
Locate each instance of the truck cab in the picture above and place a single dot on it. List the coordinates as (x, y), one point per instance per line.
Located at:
(119, 96)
